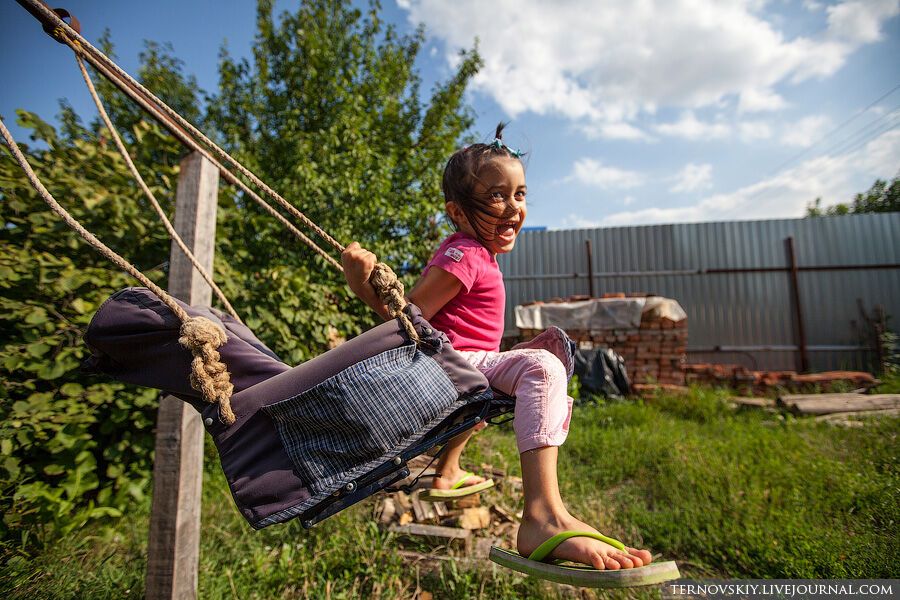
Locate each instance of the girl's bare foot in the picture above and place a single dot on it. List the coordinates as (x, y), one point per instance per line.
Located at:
(533, 532)
(450, 476)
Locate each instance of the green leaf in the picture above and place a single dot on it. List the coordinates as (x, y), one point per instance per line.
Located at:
(36, 316)
(37, 349)
(72, 389)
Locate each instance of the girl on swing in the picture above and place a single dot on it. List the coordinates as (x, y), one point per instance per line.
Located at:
(461, 293)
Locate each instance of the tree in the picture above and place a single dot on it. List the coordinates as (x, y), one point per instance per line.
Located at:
(73, 446)
(328, 112)
(881, 197)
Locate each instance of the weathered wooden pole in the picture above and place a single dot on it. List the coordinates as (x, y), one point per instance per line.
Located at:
(796, 304)
(174, 548)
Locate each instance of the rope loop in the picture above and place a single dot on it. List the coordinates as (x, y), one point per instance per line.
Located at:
(209, 375)
(391, 293)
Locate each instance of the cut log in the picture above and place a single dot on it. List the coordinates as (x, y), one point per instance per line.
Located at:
(388, 510)
(824, 404)
(468, 501)
(440, 509)
(475, 518)
(492, 471)
(422, 510)
(504, 514)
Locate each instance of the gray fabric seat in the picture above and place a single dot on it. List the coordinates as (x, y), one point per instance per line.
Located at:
(312, 439)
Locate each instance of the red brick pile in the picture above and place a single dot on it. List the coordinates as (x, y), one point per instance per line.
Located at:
(653, 352)
(739, 377)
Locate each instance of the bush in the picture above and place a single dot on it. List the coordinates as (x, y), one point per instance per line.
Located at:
(73, 447)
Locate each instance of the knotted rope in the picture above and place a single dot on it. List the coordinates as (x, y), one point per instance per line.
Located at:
(208, 373)
(390, 292)
(198, 334)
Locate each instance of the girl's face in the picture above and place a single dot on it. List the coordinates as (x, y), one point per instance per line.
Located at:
(500, 197)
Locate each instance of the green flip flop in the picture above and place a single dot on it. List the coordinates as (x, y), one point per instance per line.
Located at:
(457, 491)
(583, 575)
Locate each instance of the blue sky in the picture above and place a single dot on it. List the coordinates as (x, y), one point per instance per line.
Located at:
(631, 112)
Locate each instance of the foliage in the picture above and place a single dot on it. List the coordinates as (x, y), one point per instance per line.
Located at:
(72, 447)
(329, 112)
(882, 197)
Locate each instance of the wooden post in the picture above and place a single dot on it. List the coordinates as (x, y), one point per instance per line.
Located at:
(797, 304)
(173, 553)
(589, 250)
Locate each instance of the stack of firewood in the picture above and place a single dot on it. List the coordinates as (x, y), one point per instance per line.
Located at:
(474, 522)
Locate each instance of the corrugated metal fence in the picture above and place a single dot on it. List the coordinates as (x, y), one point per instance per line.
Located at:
(736, 282)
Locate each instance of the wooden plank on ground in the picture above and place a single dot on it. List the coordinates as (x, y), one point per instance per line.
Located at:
(754, 402)
(434, 560)
(438, 531)
(843, 416)
(823, 404)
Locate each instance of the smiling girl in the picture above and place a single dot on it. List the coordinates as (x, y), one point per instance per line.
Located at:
(461, 293)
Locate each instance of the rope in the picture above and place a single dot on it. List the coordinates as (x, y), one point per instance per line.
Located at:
(72, 37)
(63, 32)
(153, 202)
(198, 334)
(390, 291)
(187, 140)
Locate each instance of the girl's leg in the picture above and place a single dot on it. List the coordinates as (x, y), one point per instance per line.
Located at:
(448, 464)
(545, 515)
(543, 410)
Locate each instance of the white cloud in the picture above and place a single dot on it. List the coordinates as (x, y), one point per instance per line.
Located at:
(689, 127)
(628, 200)
(750, 131)
(573, 221)
(786, 194)
(610, 67)
(588, 171)
(806, 131)
(760, 100)
(860, 22)
(615, 131)
(692, 178)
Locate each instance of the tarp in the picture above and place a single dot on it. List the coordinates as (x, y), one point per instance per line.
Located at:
(597, 314)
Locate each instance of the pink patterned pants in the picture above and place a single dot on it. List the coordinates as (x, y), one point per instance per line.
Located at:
(537, 378)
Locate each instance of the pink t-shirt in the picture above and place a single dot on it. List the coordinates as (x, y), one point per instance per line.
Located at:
(473, 319)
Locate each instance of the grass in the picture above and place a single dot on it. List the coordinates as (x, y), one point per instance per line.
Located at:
(725, 492)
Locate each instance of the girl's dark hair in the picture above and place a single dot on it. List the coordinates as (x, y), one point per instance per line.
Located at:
(461, 176)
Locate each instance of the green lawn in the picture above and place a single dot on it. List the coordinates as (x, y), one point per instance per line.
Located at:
(725, 492)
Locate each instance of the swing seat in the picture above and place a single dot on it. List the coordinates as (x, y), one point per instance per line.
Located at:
(311, 440)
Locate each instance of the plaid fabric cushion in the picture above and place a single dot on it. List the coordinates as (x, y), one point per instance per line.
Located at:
(362, 417)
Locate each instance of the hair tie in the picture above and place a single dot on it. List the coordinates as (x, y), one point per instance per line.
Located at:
(498, 143)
